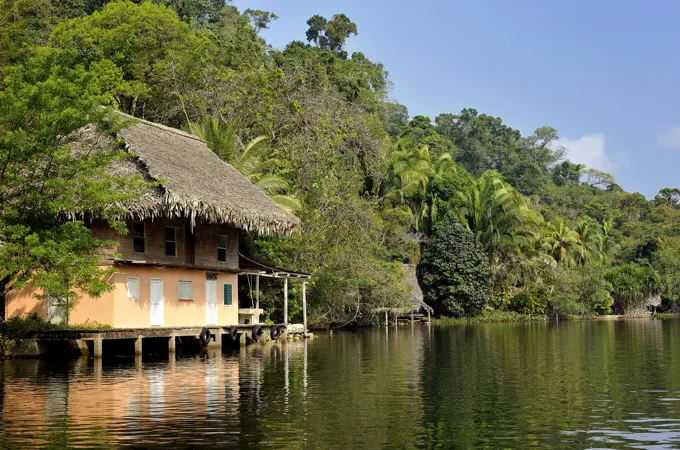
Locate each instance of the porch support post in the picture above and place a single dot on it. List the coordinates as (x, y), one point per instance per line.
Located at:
(304, 308)
(285, 300)
(172, 345)
(257, 292)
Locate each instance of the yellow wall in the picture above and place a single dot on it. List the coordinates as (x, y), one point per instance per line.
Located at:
(119, 311)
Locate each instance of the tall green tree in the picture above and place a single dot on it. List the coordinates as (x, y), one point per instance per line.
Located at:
(49, 182)
(454, 272)
(160, 56)
(331, 34)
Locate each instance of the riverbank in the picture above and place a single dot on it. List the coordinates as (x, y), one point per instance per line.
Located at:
(511, 316)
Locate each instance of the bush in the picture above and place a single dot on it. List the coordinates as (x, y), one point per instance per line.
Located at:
(23, 327)
(580, 291)
(532, 300)
(492, 316)
(454, 272)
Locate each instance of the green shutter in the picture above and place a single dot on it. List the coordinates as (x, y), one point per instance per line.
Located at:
(227, 294)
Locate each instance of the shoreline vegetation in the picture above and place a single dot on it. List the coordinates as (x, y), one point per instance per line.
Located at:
(513, 317)
(493, 219)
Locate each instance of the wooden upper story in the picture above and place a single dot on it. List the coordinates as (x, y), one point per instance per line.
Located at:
(173, 242)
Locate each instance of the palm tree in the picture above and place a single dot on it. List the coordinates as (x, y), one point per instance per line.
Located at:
(498, 216)
(591, 242)
(564, 243)
(608, 246)
(249, 160)
(410, 170)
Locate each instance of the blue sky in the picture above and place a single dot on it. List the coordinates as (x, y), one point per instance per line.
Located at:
(605, 74)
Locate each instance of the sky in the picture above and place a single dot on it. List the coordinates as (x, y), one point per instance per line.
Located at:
(605, 74)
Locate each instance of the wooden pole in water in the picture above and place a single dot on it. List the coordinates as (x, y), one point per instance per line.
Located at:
(285, 300)
(387, 322)
(304, 308)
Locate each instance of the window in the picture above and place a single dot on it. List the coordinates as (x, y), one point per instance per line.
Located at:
(186, 290)
(170, 241)
(138, 243)
(222, 241)
(133, 288)
(227, 294)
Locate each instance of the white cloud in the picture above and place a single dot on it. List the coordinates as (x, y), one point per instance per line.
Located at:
(670, 137)
(588, 150)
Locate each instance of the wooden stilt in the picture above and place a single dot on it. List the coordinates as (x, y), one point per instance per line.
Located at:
(138, 346)
(97, 347)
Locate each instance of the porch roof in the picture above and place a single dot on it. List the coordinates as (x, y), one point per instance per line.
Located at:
(253, 266)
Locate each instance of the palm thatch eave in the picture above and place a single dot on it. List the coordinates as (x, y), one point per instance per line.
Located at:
(195, 183)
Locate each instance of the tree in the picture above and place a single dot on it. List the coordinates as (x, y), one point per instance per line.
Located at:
(158, 54)
(260, 19)
(421, 132)
(565, 245)
(497, 215)
(591, 248)
(51, 178)
(669, 197)
(410, 170)
(567, 174)
(454, 271)
(331, 34)
(395, 117)
(200, 11)
(597, 178)
(249, 160)
(666, 261)
(486, 143)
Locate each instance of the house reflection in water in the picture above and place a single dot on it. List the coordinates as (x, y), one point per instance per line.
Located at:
(193, 401)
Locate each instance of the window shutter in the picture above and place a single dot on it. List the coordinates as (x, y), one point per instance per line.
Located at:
(186, 290)
(227, 294)
(133, 288)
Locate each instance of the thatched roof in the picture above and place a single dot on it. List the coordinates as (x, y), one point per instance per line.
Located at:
(196, 183)
(411, 281)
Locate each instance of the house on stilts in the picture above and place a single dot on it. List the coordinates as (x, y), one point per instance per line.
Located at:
(178, 266)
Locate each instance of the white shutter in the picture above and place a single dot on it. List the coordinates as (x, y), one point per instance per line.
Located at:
(133, 287)
(186, 290)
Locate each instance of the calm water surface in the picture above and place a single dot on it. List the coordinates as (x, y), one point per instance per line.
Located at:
(582, 385)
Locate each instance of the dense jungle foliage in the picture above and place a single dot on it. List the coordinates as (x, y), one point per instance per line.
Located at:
(504, 220)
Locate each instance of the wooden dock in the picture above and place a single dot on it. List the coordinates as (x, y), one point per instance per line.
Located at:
(209, 336)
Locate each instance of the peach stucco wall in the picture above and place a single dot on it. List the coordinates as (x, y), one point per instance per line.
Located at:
(119, 311)
(85, 308)
(137, 313)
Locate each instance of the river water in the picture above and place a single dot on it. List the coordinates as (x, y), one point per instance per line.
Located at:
(568, 384)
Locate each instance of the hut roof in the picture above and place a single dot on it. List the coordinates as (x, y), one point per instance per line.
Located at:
(195, 183)
(411, 281)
